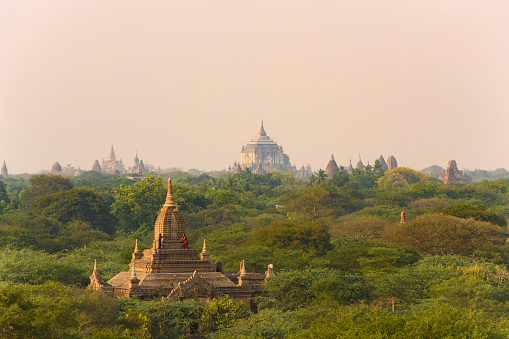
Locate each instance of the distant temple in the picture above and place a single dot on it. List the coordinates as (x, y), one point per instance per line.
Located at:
(332, 168)
(112, 165)
(96, 167)
(171, 270)
(350, 167)
(453, 175)
(4, 171)
(304, 172)
(138, 166)
(56, 169)
(360, 165)
(264, 151)
(391, 163)
(68, 170)
(382, 162)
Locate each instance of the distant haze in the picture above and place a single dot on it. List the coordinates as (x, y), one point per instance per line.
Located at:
(187, 83)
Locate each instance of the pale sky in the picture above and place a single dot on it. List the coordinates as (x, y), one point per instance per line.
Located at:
(186, 83)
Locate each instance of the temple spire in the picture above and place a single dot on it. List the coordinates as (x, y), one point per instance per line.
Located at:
(136, 250)
(169, 197)
(95, 264)
(4, 171)
(112, 153)
(262, 131)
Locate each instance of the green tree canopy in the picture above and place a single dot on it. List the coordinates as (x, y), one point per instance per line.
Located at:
(3, 192)
(43, 184)
(139, 204)
(440, 234)
(477, 212)
(310, 237)
(76, 204)
(401, 177)
(221, 313)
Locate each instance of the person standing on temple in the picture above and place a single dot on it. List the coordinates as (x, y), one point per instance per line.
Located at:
(159, 239)
(184, 241)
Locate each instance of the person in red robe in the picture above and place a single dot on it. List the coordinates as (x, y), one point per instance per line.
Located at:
(184, 241)
(159, 239)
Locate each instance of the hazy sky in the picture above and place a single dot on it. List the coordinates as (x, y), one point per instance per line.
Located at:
(186, 83)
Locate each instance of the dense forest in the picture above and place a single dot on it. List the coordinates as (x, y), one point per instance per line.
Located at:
(346, 267)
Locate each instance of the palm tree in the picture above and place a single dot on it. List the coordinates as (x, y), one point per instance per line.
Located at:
(320, 176)
(312, 179)
(378, 167)
(369, 169)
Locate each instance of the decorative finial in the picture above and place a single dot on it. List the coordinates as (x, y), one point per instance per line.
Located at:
(332, 157)
(169, 197)
(95, 264)
(243, 268)
(262, 131)
(133, 273)
(136, 250)
(204, 250)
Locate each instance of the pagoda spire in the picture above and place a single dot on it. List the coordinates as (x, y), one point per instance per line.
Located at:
(4, 171)
(262, 131)
(169, 197)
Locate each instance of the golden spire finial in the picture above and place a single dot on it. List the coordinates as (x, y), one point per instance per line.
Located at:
(136, 250)
(95, 264)
(169, 197)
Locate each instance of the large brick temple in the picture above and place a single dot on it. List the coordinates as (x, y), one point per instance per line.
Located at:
(170, 270)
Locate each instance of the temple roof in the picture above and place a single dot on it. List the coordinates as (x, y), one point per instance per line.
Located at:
(382, 162)
(332, 167)
(262, 131)
(96, 167)
(170, 223)
(237, 170)
(112, 153)
(359, 165)
(262, 138)
(4, 171)
(56, 168)
(350, 167)
(391, 162)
